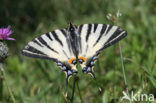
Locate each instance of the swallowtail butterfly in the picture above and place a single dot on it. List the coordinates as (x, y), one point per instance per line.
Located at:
(74, 44)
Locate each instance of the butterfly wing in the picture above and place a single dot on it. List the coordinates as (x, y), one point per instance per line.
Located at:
(53, 46)
(95, 38)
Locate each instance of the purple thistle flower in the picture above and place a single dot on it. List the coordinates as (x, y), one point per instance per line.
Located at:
(5, 33)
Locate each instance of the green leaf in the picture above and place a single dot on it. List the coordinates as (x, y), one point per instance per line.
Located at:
(105, 97)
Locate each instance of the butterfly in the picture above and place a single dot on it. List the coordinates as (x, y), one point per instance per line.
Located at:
(74, 44)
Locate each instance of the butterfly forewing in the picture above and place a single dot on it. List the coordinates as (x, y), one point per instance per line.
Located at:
(51, 45)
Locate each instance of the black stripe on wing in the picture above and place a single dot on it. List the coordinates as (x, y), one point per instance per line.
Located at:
(95, 27)
(32, 52)
(63, 32)
(48, 35)
(88, 31)
(45, 43)
(80, 29)
(118, 35)
(104, 26)
(109, 28)
(38, 43)
(56, 38)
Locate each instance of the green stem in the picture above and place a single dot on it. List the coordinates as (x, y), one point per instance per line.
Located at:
(123, 68)
(1, 87)
(114, 89)
(73, 91)
(9, 89)
(79, 92)
(1, 83)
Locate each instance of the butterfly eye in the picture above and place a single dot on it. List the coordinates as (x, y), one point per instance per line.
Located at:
(71, 29)
(74, 62)
(81, 61)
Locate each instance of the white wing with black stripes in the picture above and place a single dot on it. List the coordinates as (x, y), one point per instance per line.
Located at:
(94, 38)
(54, 46)
(67, 46)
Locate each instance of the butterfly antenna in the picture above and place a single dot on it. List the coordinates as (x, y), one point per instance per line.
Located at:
(70, 23)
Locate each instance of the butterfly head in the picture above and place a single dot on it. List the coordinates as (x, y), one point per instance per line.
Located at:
(71, 27)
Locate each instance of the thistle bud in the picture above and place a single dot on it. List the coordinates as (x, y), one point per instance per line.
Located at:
(4, 51)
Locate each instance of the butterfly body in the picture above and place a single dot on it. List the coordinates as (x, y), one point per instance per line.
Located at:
(75, 44)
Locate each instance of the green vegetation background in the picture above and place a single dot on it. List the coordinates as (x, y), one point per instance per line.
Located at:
(41, 81)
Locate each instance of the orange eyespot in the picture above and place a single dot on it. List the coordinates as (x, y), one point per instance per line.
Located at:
(83, 58)
(71, 60)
